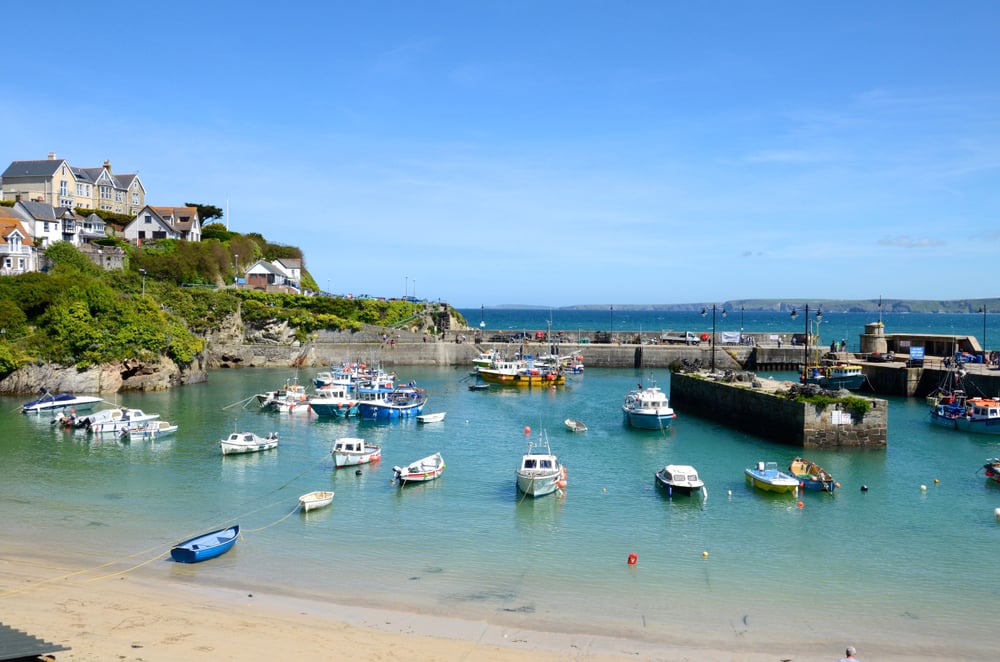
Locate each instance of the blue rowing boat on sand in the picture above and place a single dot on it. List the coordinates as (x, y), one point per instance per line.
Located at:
(206, 546)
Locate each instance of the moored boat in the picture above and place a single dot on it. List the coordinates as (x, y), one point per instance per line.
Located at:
(382, 404)
(314, 500)
(959, 412)
(435, 417)
(680, 479)
(248, 442)
(333, 400)
(648, 408)
(521, 373)
(574, 425)
(60, 401)
(766, 476)
(992, 469)
(206, 546)
(540, 472)
(114, 420)
(351, 451)
(836, 376)
(811, 476)
(421, 471)
(150, 430)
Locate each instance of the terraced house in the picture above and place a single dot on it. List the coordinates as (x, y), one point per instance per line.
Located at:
(55, 182)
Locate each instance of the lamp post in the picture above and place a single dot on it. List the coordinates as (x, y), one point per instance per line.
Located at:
(741, 324)
(819, 318)
(612, 323)
(406, 286)
(482, 319)
(704, 311)
(143, 272)
(983, 311)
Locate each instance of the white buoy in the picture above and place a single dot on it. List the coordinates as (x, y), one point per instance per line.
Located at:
(996, 513)
(923, 488)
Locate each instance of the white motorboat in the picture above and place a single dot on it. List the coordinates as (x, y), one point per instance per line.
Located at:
(680, 479)
(573, 425)
(248, 442)
(351, 451)
(60, 401)
(436, 417)
(150, 430)
(648, 408)
(115, 420)
(540, 472)
(420, 471)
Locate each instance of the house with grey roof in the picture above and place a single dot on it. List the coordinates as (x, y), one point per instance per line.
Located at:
(164, 223)
(55, 182)
(17, 250)
(270, 277)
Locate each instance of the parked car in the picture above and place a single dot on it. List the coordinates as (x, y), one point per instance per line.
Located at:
(879, 357)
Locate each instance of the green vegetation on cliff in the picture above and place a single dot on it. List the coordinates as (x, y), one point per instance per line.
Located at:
(78, 314)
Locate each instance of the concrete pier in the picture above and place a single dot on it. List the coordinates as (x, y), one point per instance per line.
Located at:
(761, 409)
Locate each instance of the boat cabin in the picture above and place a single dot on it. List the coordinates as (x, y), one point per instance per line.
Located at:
(349, 445)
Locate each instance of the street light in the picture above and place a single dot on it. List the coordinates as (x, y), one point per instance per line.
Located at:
(704, 311)
(819, 318)
(741, 324)
(406, 286)
(612, 322)
(983, 311)
(143, 272)
(482, 318)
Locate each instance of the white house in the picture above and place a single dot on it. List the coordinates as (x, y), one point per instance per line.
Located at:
(164, 223)
(17, 250)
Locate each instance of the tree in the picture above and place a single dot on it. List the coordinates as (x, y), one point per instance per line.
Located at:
(205, 212)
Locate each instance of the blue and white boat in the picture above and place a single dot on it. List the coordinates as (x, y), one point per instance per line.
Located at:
(648, 408)
(60, 401)
(387, 404)
(766, 476)
(333, 400)
(206, 546)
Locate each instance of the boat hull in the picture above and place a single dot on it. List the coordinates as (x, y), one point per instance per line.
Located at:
(538, 485)
(247, 442)
(679, 479)
(643, 421)
(315, 500)
(522, 380)
(964, 423)
(206, 546)
(771, 480)
(59, 402)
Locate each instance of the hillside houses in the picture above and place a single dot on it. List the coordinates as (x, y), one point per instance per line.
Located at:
(55, 182)
(164, 223)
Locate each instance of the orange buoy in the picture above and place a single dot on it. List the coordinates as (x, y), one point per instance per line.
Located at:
(633, 558)
(800, 504)
(527, 430)
(561, 484)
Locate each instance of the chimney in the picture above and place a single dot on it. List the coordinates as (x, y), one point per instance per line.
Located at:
(52, 156)
(107, 166)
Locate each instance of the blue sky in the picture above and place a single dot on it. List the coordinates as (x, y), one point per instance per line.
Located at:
(548, 153)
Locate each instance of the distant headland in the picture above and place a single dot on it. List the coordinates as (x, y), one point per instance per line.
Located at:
(786, 305)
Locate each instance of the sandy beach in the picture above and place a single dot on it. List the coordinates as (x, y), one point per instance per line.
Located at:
(103, 613)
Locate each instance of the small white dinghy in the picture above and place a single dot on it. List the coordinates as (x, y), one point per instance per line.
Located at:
(315, 500)
(420, 471)
(574, 425)
(431, 418)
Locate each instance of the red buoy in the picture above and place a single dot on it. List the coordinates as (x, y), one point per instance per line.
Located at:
(633, 558)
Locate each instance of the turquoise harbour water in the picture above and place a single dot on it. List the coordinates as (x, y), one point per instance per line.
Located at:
(894, 568)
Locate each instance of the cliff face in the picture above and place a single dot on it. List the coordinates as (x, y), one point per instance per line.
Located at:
(129, 375)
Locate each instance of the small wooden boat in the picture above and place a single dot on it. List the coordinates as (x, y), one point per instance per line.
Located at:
(767, 477)
(574, 425)
(812, 476)
(315, 500)
(479, 387)
(206, 546)
(248, 442)
(436, 417)
(679, 479)
(150, 430)
(351, 451)
(420, 471)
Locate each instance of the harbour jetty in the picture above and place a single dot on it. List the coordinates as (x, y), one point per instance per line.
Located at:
(761, 353)
(780, 411)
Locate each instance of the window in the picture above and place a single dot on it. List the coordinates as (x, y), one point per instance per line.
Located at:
(105, 192)
(63, 187)
(135, 198)
(79, 189)
(149, 218)
(119, 196)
